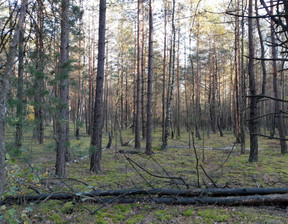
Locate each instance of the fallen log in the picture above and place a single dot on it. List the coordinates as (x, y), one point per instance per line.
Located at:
(128, 151)
(275, 199)
(212, 192)
(197, 193)
(271, 199)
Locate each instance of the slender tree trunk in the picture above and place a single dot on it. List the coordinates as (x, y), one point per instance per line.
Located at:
(135, 83)
(197, 81)
(171, 85)
(148, 150)
(62, 121)
(178, 84)
(164, 72)
(243, 87)
(106, 91)
(138, 88)
(279, 121)
(5, 86)
(253, 125)
(39, 76)
(20, 98)
(96, 137)
(237, 90)
(143, 123)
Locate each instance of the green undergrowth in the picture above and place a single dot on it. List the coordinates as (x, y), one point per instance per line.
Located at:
(34, 169)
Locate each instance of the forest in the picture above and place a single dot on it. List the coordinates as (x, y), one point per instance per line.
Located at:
(164, 111)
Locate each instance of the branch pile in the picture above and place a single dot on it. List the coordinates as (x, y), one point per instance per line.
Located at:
(225, 196)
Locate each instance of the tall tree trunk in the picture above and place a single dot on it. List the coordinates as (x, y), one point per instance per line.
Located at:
(39, 75)
(197, 80)
(243, 86)
(143, 73)
(178, 84)
(253, 124)
(96, 137)
(5, 86)
(237, 89)
(164, 72)
(138, 88)
(20, 98)
(171, 84)
(62, 118)
(148, 150)
(106, 91)
(279, 121)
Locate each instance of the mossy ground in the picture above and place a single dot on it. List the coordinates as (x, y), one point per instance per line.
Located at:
(117, 173)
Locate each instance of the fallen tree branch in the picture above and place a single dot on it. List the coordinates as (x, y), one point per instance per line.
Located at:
(154, 175)
(214, 184)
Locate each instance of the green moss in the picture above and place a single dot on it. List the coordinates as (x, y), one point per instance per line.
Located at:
(135, 219)
(164, 216)
(188, 212)
(55, 218)
(211, 215)
(123, 208)
(100, 218)
(67, 208)
(50, 205)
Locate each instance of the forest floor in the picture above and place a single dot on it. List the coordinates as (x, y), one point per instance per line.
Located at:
(33, 171)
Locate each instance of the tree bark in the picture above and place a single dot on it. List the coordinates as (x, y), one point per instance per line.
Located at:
(164, 72)
(20, 98)
(138, 88)
(253, 125)
(232, 197)
(39, 75)
(171, 84)
(62, 118)
(279, 121)
(96, 137)
(148, 150)
(5, 87)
